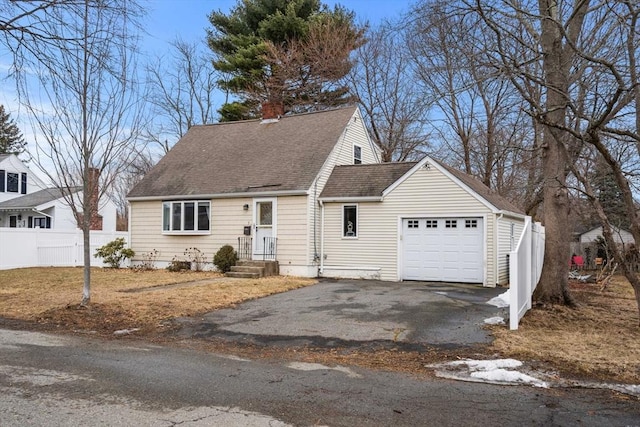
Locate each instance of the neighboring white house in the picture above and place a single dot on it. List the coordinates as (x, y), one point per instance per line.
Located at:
(310, 190)
(619, 235)
(26, 202)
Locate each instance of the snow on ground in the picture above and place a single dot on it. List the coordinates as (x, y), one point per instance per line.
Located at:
(497, 320)
(501, 300)
(499, 371)
(512, 372)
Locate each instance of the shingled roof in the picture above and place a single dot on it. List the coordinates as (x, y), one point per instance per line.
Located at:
(33, 200)
(371, 180)
(482, 190)
(368, 180)
(246, 157)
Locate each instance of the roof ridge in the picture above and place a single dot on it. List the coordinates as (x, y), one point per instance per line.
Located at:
(306, 113)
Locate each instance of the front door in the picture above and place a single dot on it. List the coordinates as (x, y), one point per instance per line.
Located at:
(264, 211)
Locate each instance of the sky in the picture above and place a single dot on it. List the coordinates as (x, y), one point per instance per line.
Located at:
(168, 19)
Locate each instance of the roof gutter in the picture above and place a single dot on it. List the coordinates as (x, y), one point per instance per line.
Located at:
(512, 214)
(351, 199)
(220, 195)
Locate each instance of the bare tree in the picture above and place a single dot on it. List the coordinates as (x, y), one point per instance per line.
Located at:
(182, 91)
(588, 80)
(382, 81)
(480, 119)
(86, 114)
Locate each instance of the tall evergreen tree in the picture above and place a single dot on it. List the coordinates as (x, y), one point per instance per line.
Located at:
(11, 139)
(255, 42)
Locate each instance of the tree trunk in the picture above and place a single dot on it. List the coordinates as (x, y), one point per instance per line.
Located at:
(554, 281)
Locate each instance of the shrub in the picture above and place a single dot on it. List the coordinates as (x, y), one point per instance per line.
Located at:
(196, 257)
(114, 252)
(148, 261)
(225, 258)
(179, 265)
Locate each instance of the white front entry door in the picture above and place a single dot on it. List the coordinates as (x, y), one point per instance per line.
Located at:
(443, 249)
(264, 212)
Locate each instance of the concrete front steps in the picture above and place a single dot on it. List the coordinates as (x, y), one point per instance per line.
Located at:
(247, 269)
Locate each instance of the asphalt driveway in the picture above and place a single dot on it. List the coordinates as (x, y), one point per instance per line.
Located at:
(356, 311)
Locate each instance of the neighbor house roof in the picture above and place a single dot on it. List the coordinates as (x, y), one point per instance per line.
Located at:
(36, 199)
(246, 157)
(368, 180)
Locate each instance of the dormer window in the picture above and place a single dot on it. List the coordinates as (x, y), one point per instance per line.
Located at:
(13, 182)
(357, 155)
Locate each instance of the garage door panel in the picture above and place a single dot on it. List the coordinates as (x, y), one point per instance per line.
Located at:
(443, 249)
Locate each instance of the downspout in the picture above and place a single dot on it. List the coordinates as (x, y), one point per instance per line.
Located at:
(496, 263)
(321, 238)
(315, 221)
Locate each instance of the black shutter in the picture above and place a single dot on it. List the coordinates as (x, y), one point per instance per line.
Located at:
(48, 222)
(23, 178)
(30, 222)
(1, 181)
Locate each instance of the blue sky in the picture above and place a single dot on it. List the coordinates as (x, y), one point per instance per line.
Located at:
(187, 19)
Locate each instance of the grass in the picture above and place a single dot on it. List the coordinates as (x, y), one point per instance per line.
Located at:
(122, 299)
(600, 339)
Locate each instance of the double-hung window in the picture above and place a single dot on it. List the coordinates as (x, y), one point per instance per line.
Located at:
(186, 217)
(350, 221)
(13, 182)
(357, 155)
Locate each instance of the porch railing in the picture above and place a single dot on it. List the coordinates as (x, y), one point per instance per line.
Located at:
(270, 246)
(245, 247)
(269, 251)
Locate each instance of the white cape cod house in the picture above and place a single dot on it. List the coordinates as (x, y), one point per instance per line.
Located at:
(309, 191)
(26, 202)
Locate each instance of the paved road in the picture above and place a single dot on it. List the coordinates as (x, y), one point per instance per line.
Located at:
(48, 380)
(355, 311)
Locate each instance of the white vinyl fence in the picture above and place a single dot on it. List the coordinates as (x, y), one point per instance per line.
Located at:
(525, 266)
(35, 247)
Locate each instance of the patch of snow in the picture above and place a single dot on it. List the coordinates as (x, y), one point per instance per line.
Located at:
(488, 365)
(501, 300)
(494, 320)
(506, 372)
(503, 376)
(499, 371)
(125, 331)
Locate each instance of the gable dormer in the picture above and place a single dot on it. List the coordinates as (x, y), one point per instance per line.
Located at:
(16, 179)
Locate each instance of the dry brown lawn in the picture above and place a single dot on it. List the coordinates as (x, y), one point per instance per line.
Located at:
(124, 299)
(600, 339)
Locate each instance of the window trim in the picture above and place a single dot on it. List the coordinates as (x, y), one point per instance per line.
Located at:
(357, 160)
(342, 224)
(17, 182)
(181, 231)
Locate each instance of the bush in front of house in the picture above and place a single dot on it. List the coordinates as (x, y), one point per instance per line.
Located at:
(225, 258)
(114, 253)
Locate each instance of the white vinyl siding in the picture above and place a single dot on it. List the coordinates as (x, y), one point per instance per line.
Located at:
(427, 193)
(228, 219)
(505, 225)
(293, 247)
(342, 154)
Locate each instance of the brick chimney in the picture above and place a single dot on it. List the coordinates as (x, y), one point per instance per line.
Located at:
(272, 111)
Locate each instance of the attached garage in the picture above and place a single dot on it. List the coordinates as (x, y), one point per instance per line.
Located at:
(420, 221)
(443, 249)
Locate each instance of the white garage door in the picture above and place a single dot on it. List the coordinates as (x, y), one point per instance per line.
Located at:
(443, 249)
